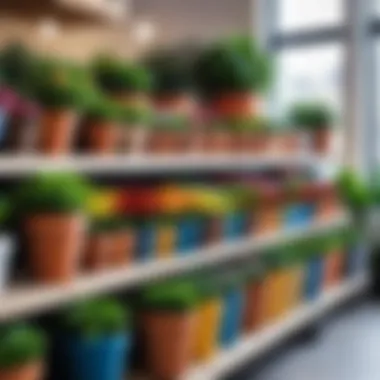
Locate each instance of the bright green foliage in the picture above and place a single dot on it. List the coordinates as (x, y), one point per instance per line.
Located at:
(115, 76)
(20, 345)
(52, 193)
(311, 115)
(171, 296)
(97, 318)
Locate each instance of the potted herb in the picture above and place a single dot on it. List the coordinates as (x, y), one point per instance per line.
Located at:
(172, 83)
(111, 243)
(6, 242)
(169, 321)
(230, 74)
(61, 99)
(22, 353)
(169, 134)
(125, 82)
(102, 132)
(52, 210)
(97, 340)
(315, 118)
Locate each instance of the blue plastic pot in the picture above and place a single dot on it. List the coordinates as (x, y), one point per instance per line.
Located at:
(4, 123)
(314, 278)
(96, 359)
(235, 225)
(232, 316)
(188, 234)
(299, 214)
(146, 241)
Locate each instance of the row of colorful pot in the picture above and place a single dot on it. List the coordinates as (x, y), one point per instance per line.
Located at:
(65, 227)
(180, 322)
(25, 130)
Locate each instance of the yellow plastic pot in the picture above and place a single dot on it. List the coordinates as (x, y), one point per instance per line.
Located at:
(166, 240)
(207, 330)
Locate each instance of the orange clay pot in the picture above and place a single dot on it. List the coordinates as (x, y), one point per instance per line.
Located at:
(334, 265)
(97, 251)
(55, 243)
(219, 141)
(169, 338)
(252, 317)
(56, 133)
(166, 142)
(122, 248)
(286, 143)
(255, 142)
(321, 141)
(181, 104)
(103, 137)
(32, 371)
(235, 105)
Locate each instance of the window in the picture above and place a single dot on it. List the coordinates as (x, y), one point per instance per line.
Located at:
(309, 14)
(309, 73)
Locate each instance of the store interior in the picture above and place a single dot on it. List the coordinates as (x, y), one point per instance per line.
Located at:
(188, 190)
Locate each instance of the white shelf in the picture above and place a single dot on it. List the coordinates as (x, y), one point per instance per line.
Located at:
(13, 166)
(28, 299)
(252, 347)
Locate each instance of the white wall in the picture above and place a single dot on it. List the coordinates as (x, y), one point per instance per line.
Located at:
(195, 20)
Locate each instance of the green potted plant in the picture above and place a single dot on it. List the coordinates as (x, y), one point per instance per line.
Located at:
(229, 74)
(61, 98)
(95, 341)
(51, 207)
(168, 315)
(172, 82)
(22, 351)
(125, 82)
(102, 133)
(111, 243)
(315, 118)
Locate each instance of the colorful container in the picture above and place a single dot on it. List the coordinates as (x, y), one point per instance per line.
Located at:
(232, 316)
(95, 358)
(146, 240)
(314, 277)
(298, 215)
(207, 329)
(166, 239)
(189, 234)
(235, 224)
(333, 267)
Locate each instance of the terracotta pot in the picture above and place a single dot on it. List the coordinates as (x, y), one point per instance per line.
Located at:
(55, 244)
(235, 105)
(123, 247)
(97, 251)
(181, 104)
(269, 219)
(286, 143)
(321, 140)
(103, 138)
(57, 130)
(169, 338)
(255, 142)
(219, 141)
(167, 142)
(334, 266)
(214, 230)
(252, 317)
(32, 371)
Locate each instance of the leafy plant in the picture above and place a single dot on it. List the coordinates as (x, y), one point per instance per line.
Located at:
(235, 65)
(20, 345)
(97, 317)
(171, 296)
(52, 192)
(353, 191)
(311, 115)
(115, 77)
(171, 73)
(104, 110)
(109, 224)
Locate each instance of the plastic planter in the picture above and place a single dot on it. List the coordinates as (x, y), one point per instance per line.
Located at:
(253, 305)
(298, 215)
(313, 277)
(146, 240)
(95, 358)
(232, 316)
(333, 268)
(166, 239)
(235, 225)
(189, 234)
(207, 329)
